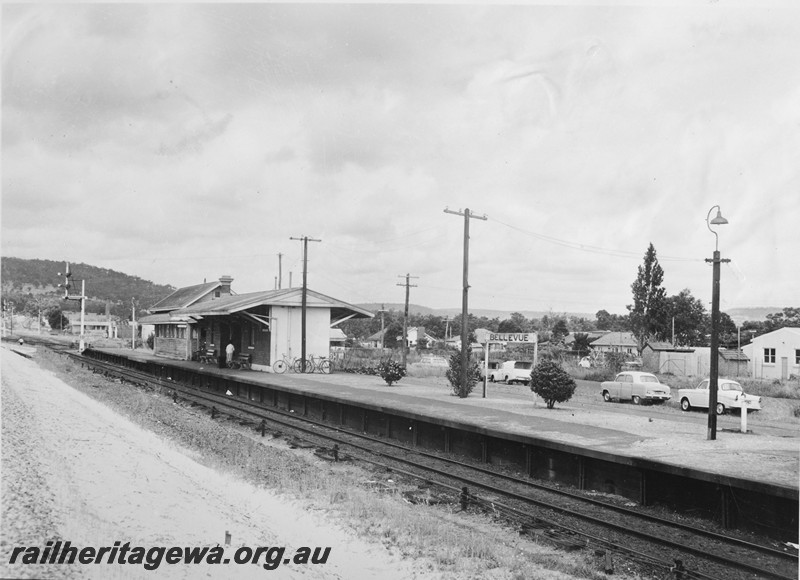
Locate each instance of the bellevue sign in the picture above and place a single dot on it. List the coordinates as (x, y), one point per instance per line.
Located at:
(514, 337)
(529, 337)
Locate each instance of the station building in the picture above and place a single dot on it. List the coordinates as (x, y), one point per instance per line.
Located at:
(266, 325)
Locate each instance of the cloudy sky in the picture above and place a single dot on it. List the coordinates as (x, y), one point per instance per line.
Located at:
(182, 142)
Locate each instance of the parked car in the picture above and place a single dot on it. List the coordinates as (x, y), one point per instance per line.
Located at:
(635, 386)
(513, 371)
(730, 395)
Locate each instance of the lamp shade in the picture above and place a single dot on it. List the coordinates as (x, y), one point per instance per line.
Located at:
(719, 220)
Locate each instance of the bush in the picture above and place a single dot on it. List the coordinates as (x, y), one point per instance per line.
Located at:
(453, 375)
(151, 338)
(391, 372)
(552, 383)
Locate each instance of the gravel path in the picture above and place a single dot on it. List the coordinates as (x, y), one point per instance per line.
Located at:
(74, 470)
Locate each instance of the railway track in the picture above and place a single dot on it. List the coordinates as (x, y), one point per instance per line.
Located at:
(561, 516)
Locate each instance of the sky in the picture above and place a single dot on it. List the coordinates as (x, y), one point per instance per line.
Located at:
(183, 142)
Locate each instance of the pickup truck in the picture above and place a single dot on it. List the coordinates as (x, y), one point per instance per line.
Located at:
(512, 371)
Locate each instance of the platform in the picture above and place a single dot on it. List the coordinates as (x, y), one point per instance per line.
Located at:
(648, 454)
(767, 454)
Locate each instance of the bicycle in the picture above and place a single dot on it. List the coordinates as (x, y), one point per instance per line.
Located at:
(313, 364)
(280, 365)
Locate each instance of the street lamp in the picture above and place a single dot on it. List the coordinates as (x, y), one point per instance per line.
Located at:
(713, 379)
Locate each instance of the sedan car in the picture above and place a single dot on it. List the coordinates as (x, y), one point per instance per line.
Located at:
(635, 386)
(729, 396)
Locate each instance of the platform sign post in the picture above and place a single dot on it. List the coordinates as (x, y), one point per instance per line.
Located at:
(506, 337)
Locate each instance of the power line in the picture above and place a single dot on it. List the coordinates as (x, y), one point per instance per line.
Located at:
(589, 248)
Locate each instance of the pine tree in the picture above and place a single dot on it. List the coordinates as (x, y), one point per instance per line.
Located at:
(648, 314)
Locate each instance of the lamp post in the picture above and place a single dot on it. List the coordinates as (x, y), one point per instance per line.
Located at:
(713, 379)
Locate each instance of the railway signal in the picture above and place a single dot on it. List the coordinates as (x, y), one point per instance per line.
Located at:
(67, 282)
(66, 286)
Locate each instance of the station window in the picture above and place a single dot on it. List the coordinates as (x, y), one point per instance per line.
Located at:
(769, 356)
(797, 356)
(253, 331)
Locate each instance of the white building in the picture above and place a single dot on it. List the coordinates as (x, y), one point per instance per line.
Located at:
(775, 355)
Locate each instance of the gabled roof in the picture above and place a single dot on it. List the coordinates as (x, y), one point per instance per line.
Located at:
(378, 335)
(227, 305)
(655, 345)
(183, 297)
(615, 339)
(733, 354)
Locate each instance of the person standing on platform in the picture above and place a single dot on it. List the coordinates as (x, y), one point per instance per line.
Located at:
(229, 353)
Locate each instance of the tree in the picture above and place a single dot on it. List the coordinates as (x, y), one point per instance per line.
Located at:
(581, 344)
(787, 317)
(55, 318)
(689, 317)
(560, 331)
(648, 313)
(453, 375)
(515, 323)
(614, 322)
(552, 383)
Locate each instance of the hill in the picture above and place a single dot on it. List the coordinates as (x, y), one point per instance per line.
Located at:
(24, 280)
(479, 312)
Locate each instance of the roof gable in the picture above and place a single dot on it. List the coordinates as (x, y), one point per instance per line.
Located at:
(615, 339)
(183, 297)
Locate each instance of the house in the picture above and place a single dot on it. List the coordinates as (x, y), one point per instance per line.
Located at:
(375, 340)
(93, 324)
(776, 354)
(623, 342)
(415, 335)
(267, 324)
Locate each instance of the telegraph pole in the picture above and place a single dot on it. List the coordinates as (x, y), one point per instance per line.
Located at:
(465, 298)
(305, 240)
(280, 271)
(405, 314)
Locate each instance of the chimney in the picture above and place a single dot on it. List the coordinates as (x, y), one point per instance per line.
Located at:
(225, 284)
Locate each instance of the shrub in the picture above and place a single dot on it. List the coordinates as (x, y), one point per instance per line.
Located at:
(151, 338)
(391, 372)
(552, 383)
(453, 375)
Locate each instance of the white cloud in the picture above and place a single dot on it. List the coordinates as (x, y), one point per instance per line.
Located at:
(182, 142)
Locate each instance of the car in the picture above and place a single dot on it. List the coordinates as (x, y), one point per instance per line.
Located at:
(635, 386)
(513, 371)
(730, 395)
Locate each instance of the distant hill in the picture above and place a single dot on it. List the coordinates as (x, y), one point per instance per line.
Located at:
(739, 315)
(39, 278)
(479, 312)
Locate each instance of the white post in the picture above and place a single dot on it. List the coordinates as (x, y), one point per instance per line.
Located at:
(485, 368)
(82, 344)
(744, 417)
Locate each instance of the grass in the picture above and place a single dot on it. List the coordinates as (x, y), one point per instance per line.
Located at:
(454, 545)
